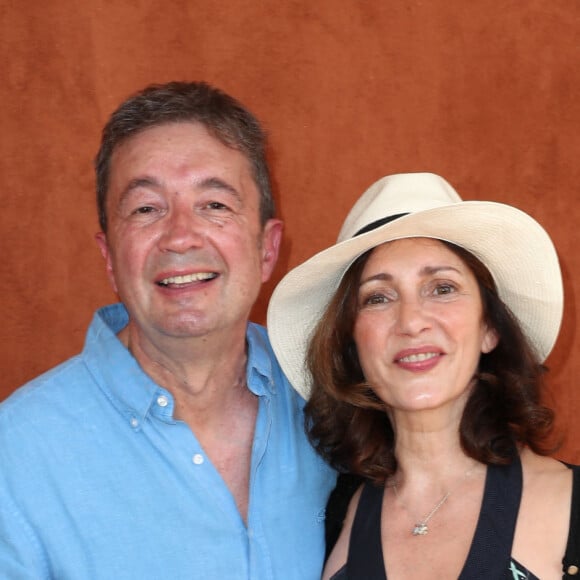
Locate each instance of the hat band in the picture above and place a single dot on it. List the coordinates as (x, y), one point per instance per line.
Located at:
(378, 223)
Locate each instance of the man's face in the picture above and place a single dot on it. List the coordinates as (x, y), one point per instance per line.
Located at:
(185, 250)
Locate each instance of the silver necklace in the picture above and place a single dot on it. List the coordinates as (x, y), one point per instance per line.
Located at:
(421, 528)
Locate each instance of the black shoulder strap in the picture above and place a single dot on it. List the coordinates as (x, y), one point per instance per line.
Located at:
(365, 551)
(491, 546)
(571, 560)
(337, 506)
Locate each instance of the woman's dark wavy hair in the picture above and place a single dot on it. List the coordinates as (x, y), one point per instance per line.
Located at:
(348, 424)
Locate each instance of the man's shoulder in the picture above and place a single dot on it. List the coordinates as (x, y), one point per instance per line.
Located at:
(32, 402)
(66, 383)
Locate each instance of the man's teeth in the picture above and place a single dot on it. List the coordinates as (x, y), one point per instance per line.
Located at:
(197, 277)
(418, 357)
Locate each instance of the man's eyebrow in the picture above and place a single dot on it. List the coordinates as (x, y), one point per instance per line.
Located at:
(219, 184)
(136, 183)
(153, 183)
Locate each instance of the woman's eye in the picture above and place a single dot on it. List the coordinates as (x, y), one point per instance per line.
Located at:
(374, 299)
(443, 289)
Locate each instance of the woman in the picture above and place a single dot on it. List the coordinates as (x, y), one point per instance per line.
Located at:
(423, 330)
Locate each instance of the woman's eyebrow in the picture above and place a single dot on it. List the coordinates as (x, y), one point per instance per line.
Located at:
(425, 271)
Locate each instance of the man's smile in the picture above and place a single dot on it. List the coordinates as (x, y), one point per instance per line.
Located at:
(187, 278)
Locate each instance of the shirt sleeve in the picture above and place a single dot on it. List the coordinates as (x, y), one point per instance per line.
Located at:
(21, 557)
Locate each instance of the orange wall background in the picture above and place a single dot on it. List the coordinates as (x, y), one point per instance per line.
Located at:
(485, 93)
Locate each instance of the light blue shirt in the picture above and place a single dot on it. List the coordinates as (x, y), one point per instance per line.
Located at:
(98, 481)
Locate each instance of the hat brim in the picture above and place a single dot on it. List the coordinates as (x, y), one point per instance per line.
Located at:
(513, 246)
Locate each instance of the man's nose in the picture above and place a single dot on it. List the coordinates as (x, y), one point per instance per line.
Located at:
(182, 230)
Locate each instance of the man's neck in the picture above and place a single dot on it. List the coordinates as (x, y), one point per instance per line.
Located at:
(193, 369)
(207, 379)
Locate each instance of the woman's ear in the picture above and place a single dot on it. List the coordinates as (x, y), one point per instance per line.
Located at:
(490, 340)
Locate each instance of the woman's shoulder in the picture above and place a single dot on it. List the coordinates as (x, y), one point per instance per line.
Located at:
(547, 487)
(545, 470)
(574, 468)
(542, 529)
(561, 473)
(571, 560)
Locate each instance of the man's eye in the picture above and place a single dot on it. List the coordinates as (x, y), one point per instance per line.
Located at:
(144, 209)
(216, 205)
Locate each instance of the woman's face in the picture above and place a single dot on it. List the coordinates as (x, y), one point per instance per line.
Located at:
(419, 329)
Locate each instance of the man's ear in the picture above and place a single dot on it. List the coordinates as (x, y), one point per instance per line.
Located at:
(101, 239)
(271, 240)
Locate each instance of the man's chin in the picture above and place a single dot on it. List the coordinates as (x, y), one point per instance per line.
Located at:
(179, 327)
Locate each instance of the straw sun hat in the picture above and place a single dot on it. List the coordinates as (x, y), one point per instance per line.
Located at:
(513, 246)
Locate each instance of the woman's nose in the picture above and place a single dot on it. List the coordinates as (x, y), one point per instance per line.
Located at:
(411, 317)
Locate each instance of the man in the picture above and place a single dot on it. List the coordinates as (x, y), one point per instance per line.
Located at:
(172, 447)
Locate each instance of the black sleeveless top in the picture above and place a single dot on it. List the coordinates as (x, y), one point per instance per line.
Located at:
(490, 553)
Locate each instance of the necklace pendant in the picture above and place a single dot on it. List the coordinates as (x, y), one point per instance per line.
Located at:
(420, 529)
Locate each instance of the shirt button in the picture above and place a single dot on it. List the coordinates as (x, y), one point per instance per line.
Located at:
(134, 422)
(198, 459)
(162, 401)
(572, 570)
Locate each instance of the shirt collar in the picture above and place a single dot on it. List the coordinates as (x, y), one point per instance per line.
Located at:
(132, 391)
(260, 367)
(117, 372)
